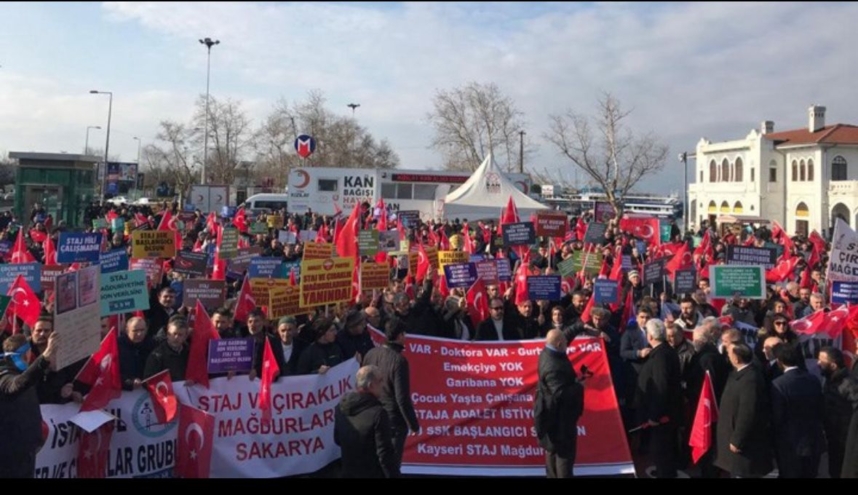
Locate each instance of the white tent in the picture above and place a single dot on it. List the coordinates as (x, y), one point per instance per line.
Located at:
(485, 194)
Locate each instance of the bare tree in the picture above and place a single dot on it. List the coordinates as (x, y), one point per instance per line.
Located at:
(174, 162)
(473, 121)
(231, 139)
(340, 140)
(606, 149)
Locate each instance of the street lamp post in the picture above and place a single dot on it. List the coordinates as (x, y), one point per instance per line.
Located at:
(86, 143)
(139, 145)
(107, 139)
(521, 152)
(209, 44)
(354, 107)
(683, 158)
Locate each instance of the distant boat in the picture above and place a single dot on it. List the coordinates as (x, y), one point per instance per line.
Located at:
(662, 206)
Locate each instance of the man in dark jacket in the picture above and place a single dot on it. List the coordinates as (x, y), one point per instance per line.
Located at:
(20, 414)
(135, 344)
(743, 420)
(841, 398)
(659, 399)
(162, 307)
(354, 338)
(172, 354)
(396, 393)
(498, 324)
(362, 430)
(705, 359)
(256, 329)
(558, 405)
(797, 411)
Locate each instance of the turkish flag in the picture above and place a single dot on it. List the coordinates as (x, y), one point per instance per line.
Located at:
(50, 252)
(783, 270)
(478, 302)
(24, 304)
(628, 310)
(102, 372)
(707, 413)
(160, 387)
(585, 314)
(347, 236)
(270, 371)
(422, 263)
(240, 220)
(38, 236)
(20, 253)
(521, 293)
(508, 215)
(93, 450)
(194, 451)
(444, 242)
(382, 216)
(245, 302)
(682, 259)
(646, 228)
(218, 267)
(811, 324)
(204, 331)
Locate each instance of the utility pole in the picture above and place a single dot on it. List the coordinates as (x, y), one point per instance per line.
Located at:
(209, 44)
(521, 152)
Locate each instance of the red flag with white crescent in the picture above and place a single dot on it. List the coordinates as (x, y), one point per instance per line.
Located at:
(93, 452)
(160, 387)
(195, 440)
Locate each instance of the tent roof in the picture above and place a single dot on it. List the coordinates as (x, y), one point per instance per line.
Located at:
(485, 194)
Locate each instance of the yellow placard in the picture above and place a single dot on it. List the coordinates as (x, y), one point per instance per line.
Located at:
(451, 257)
(284, 301)
(260, 288)
(275, 222)
(432, 255)
(153, 244)
(317, 250)
(374, 276)
(326, 281)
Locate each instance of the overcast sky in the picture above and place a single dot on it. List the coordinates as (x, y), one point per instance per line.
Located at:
(687, 70)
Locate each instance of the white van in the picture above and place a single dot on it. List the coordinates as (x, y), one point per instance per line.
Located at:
(268, 201)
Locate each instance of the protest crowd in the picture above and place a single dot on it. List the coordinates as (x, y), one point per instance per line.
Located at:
(776, 368)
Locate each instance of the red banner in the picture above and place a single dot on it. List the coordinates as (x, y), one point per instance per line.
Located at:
(474, 401)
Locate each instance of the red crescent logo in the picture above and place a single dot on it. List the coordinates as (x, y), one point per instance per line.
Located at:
(305, 179)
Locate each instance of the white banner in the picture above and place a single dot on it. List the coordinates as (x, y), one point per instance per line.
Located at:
(298, 440)
(843, 263)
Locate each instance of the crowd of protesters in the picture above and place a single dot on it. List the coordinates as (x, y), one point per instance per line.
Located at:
(762, 423)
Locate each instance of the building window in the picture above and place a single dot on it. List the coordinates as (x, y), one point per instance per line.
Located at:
(424, 191)
(752, 174)
(737, 170)
(725, 171)
(388, 190)
(838, 168)
(403, 191)
(701, 176)
(328, 185)
(802, 171)
(810, 170)
(794, 171)
(713, 171)
(725, 207)
(773, 171)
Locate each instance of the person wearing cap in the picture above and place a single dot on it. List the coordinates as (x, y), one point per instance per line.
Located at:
(324, 353)
(353, 338)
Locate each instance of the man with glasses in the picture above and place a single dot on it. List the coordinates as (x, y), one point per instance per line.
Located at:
(497, 326)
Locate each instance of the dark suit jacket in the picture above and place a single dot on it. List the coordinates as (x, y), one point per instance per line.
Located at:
(486, 330)
(798, 409)
(743, 421)
(659, 391)
(563, 397)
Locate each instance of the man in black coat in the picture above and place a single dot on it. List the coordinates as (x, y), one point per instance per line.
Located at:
(354, 338)
(798, 408)
(396, 390)
(634, 349)
(841, 399)
(743, 420)
(558, 405)
(659, 399)
(20, 414)
(498, 323)
(362, 430)
(135, 344)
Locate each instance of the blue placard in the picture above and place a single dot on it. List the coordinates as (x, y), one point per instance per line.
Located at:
(189, 207)
(32, 273)
(75, 247)
(460, 275)
(117, 224)
(115, 260)
(210, 253)
(641, 245)
(230, 355)
(626, 260)
(5, 247)
(504, 270)
(124, 292)
(227, 211)
(292, 266)
(263, 267)
(606, 291)
(476, 257)
(543, 287)
(844, 292)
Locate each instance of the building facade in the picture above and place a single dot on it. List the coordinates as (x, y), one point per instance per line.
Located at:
(803, 178)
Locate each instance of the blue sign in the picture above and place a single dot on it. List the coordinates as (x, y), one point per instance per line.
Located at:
(262, 267)
(115, 260)
(626, 261)
(844, 292)
(460, 275)
(476, 257)
(32, 273)
(504, 270)
(543, 287)
(5, 247)
(227, 211)
(78, 248)
(305, 145)
(606, 291)
(189, 207)
(230, 355)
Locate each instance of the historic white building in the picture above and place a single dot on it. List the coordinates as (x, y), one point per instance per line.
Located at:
(803, 178)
